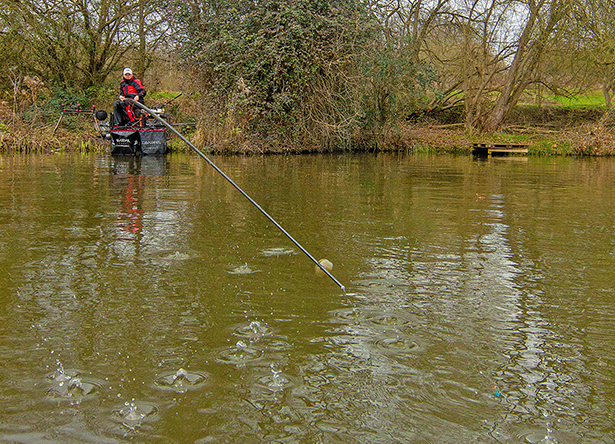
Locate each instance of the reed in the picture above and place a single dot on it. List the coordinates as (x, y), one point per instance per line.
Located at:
(22, 141)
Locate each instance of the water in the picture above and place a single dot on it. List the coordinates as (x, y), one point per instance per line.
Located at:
(147, 301)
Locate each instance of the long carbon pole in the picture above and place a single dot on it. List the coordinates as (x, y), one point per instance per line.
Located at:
(252, 201)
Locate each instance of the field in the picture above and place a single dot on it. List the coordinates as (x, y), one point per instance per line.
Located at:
(577, 100)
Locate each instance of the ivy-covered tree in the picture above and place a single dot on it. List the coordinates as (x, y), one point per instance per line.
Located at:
(273, 56)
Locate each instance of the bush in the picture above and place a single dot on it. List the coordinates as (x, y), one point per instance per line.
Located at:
(277, 69)
(49, 105)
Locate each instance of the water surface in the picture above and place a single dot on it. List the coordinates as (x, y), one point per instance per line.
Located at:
(146, 300)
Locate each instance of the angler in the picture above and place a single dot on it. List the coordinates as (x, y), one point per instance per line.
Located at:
(132, 88)
(133, 131)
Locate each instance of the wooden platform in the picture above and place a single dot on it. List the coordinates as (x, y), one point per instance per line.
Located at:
(498, 149)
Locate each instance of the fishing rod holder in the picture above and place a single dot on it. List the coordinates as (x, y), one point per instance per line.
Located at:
(76, 109)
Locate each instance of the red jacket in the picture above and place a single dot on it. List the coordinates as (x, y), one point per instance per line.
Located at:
(131, 88)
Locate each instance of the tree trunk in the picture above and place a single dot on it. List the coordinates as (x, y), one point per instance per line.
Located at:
(606, 91)
(530, 48)
(141, 54)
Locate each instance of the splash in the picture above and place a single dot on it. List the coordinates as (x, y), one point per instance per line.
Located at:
(181, 381)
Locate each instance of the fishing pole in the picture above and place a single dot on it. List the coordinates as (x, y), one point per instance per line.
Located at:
(169, 101)
(238, 188)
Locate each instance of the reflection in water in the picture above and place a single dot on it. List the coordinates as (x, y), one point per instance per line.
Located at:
(131, 213)
(481, 307)
(129, 177)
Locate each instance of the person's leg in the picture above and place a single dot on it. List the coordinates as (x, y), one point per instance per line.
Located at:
(130, 114)
(119, 117)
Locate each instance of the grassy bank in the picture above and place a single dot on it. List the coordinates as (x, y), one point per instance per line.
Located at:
(32, 141)
(546, 131)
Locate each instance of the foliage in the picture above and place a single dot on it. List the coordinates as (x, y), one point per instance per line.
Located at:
(324, 73)
(11, 54)
(319, 71)
(47, 109)
(77, 43)
(397, 84)
(262, 62)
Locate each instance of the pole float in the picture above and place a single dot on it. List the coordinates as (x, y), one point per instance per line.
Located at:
(252, 201)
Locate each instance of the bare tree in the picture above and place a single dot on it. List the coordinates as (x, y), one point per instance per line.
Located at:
(80, 42)
(411, 22)
(483, 32)
(154, 21)
(593, 45)
(540, 26)
(490, 53)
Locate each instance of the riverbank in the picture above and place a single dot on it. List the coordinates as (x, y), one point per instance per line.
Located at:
(584, 140)
(559, 132)
(414, 138)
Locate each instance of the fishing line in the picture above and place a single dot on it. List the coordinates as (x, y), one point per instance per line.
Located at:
(252, 201)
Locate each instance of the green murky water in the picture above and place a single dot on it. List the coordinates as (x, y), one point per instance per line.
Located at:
(148, 301)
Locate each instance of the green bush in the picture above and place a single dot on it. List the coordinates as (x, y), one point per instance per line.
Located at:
(300, 72)
(49, 105)
(266, 62)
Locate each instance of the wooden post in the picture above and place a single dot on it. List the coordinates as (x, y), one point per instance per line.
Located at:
(57, 124)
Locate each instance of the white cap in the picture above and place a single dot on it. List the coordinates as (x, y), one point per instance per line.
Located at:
(127, 71)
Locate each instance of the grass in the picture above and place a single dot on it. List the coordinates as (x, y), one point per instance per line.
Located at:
(581, 100)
